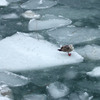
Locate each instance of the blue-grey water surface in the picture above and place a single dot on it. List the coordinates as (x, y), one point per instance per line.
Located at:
(83, 13)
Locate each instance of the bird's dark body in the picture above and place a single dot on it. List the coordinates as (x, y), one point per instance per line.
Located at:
(65, 48)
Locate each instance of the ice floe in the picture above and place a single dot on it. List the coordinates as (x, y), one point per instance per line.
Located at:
(90, 52)
(95, 72)
(13, 1)
(80, 3)
(3, 3)
(4, 98)
(47, 24)
(57, 90)
(30, 14)
(10, 16)
(73, 35)
(80, 96)
(6, 92)
(35, 97)
(71, 13)
(38, 4)
(22, 52)
(12, 79)
(85, 96)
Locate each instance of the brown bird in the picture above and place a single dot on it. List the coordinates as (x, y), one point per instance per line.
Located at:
(67, 48)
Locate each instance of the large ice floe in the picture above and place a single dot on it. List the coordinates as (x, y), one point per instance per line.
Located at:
(38, 4)
(57, 90)
(22, 52)
(3, 3)
(12, 79)
(90, 52)
(95, 72)
(73, 35)
(35, 25)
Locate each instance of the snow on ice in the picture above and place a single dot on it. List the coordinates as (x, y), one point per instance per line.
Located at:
(22, 52)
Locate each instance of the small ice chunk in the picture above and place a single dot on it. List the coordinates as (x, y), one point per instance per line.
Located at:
(12, 79)
(35, 97)
(38, 4)
(85, 96)
(80, 96)
(10, 16)
(3, 3)
(5, 91)
(74, 35)
(25, 52)
(95, 72)
(57, 90)
(30, 14)
(47, 24)
(90, 51)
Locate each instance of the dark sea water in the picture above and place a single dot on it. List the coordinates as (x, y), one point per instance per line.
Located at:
(83, 13)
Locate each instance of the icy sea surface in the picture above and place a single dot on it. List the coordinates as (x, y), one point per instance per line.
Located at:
(31, 67)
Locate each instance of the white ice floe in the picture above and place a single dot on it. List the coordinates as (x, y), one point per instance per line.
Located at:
(35, 97)
(57, 90)
(38, 4)
(90, 52)
(22, 52)
(73, 35)
(3, 3)
(10, 16)
(12, 79)
(95, 72)
(4, 98)
(30, 14)
(47, 24)
(5, 91)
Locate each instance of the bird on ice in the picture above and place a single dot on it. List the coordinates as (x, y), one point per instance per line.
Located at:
(67, 48)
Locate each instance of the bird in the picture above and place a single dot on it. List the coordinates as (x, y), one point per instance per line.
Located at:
(67, 48)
